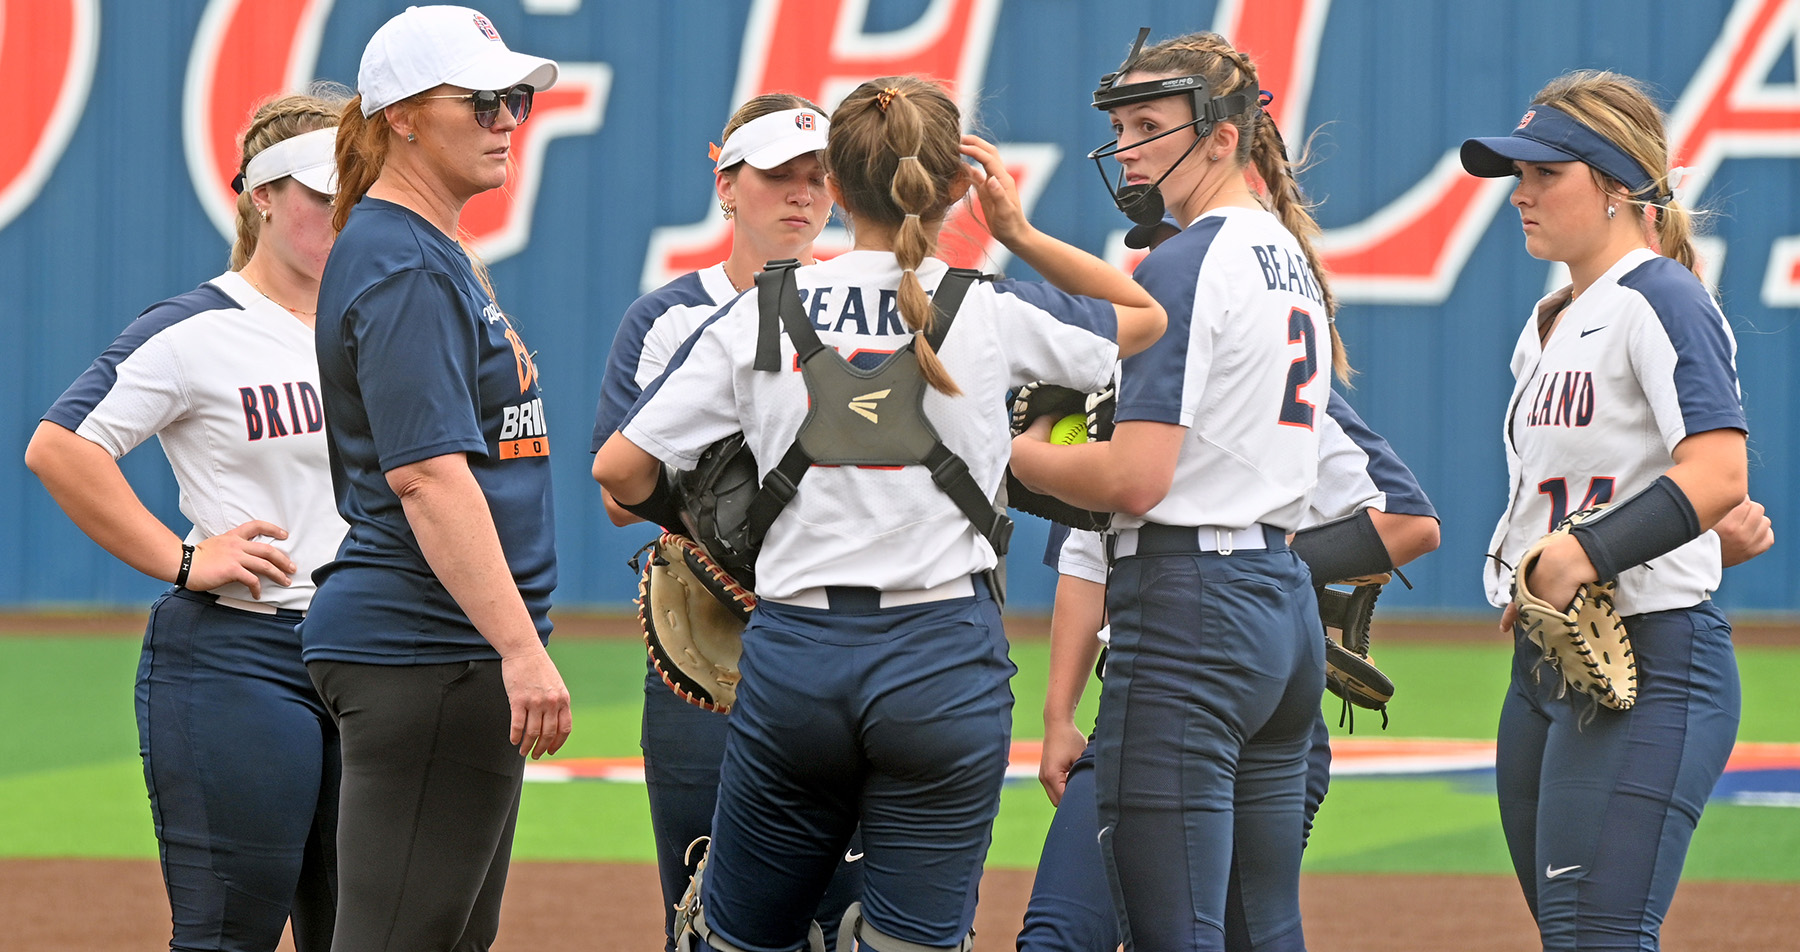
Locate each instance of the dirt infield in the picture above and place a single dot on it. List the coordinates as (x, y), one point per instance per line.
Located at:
(118, 906)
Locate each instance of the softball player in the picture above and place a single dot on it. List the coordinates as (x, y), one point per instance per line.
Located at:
(1626, 394)
(240, 758)
(874, 670)
(427, 639)
(771, 185)
(1071, 909)
(1217, 659)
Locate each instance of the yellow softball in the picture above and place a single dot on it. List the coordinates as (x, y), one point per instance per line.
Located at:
(1069, 430)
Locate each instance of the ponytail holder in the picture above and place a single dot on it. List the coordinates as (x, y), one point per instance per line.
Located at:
(886, 97)
(913, 215)
(909, 271)
(1677, 185)
(1264, 98)
(915, 158)
(712, 151)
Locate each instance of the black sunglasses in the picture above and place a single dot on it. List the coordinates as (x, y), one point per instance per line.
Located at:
(487, 103)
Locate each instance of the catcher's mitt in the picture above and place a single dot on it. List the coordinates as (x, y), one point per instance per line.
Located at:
(715, 498)
(693, 616)
(1046, 399)
(1586, 642)
(1349, 673)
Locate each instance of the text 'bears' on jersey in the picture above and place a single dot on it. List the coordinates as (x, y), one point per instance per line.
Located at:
(849, 313)
(1283, 270)
(264, 406)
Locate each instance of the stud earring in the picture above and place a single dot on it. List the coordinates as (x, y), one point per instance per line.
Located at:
(730, 212)
(412, 137)
(1612, 211)
(1215, 156)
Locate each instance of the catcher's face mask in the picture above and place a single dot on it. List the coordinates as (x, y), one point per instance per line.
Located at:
(1143, 202)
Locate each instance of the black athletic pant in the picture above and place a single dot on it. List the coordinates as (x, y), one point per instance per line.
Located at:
(430, 794)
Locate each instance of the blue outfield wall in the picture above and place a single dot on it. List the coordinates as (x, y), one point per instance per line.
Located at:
(104, 204)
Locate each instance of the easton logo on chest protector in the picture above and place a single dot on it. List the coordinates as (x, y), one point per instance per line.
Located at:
(865, 404)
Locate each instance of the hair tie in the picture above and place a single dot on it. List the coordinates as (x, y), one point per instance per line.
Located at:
(909, 271)
(1264, 98)
(913, 215)
(914, 157)
(885, 98)
(1676, 190)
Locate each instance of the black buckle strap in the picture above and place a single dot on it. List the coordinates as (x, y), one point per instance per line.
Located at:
(771, 302)
(952, 476)
(947, 300)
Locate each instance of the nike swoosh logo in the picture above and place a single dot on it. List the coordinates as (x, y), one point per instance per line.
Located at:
(851, 856)
(1592, 330)
(1553, 873)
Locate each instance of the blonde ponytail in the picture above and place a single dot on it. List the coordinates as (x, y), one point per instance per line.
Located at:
(894, 152)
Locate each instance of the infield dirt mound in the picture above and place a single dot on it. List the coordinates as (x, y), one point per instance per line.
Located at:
(118, 906)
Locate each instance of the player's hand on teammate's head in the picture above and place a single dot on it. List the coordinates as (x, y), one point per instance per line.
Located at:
(1001, 208)
(1744, 533)
(235, 556)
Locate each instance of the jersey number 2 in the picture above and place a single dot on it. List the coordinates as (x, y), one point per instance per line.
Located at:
(1295, 411)
(1600, 489)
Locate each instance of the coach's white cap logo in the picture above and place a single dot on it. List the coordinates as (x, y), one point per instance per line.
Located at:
(865, 404)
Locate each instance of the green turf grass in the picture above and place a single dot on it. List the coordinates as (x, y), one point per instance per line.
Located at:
(71, 783)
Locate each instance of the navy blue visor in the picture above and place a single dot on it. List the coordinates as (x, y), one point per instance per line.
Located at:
(1548, 134)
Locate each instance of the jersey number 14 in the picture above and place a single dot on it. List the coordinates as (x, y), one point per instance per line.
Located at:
(1600, 490)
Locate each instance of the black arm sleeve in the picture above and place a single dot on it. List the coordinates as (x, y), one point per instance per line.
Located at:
(1343, 548)
(1652, 523)
(661, 506)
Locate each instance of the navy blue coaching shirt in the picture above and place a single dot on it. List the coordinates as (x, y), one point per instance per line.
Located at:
(415, 361)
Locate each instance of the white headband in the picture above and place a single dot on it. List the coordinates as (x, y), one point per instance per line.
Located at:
(768, 141)
(311, 158)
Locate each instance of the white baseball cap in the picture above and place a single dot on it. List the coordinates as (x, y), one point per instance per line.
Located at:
(768, 141)
(424, 47)
(310, 158)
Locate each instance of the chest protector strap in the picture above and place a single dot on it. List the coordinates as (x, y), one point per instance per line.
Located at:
(859, 417)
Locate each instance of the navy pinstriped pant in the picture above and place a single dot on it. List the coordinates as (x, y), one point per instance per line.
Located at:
(899, 718)
(1598, 805)
(241, 762)
(1071, 908)
(1206, 717)
(683, 746)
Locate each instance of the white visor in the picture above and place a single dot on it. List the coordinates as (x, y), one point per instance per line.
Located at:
(768, 141)
(311, 158)
(423, 47)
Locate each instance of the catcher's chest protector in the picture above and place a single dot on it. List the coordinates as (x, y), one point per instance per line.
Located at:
(862, 417)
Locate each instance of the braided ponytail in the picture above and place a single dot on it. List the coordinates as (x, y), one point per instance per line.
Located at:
(273, 121)
(1259, 146)
(894, 152)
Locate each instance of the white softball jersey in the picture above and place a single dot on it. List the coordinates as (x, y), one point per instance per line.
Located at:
(1244, 366)
(228, 381)
(1640, 361)
(886, 528)
(1358, 470)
